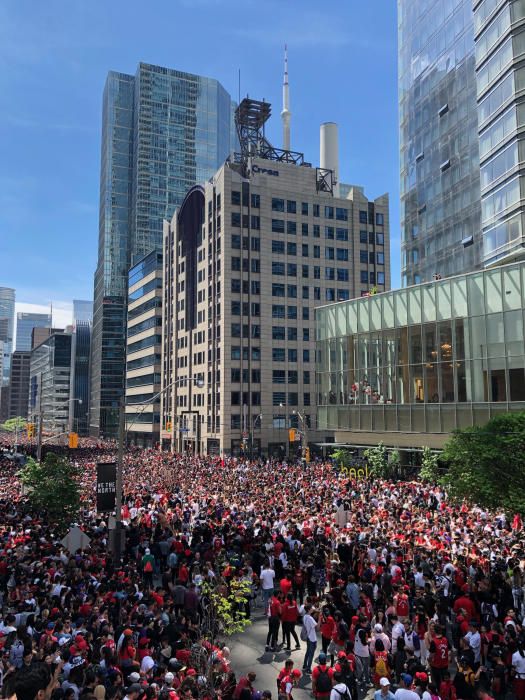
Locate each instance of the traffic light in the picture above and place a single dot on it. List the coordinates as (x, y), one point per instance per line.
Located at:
(30, 430)
(307, 455)
(73, 441)
(168, 426)
(291, 435)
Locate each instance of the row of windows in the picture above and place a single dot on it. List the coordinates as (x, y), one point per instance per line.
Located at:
(372, 278)
(248, 265)
(282, 311)
(238, 375)
(372, 258)
(290, 290)
(280, 376)
(247, 287)
(247, 243)
(290, 248)
(339, 213)
(247, 221)
(279, 398)
(280, 333)
(255, 199)
(280, 355)
(253, 309)
(244, 353)
(370, 237)
(242, 398)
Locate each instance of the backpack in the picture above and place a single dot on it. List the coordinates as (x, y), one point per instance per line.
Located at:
(381, 667)
(487, 614)
(344, 695)
(323, 684)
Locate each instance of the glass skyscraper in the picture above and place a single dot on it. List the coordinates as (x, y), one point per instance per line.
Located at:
(439, 147)
(25, 322)
(7, 327)
(162, 132)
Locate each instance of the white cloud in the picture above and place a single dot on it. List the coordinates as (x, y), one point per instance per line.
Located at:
(62, 311)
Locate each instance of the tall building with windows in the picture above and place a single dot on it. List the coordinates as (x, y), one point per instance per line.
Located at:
(143, 350)
(19, 384)
(25, 322)
(7, 329)
(439, 148)
(499, 29)
(247, 259)
(82, 311)
(163, 130)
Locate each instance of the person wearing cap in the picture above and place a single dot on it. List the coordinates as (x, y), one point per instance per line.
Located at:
(134, 692)
(385, 690)
(405, 692)
(377, 633)
(322, 679)
(290, 682)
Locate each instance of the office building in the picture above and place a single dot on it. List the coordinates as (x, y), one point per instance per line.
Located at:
(79, 380)
(82, 311)
(49, 383)
(410, 366)
(143, 351)
(25, 322)
(500, 49)
(7, 328)
(439, 148)
(162, 131)
(19, 384)
(247, 258)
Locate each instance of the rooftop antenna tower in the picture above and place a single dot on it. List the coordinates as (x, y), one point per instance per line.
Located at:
(286, 114)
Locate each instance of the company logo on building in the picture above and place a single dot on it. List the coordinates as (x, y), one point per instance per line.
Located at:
(265, 171)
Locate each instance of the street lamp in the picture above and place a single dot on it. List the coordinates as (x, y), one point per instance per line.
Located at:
(303, 431)
(124, 429)
(254, 424)
(281, 405)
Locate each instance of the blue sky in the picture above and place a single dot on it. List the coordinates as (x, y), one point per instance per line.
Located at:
(54, 57)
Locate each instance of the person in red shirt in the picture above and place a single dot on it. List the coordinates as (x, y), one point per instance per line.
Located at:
(439, 656)
(464, 602)
(326, 627)
(274, 621)
(289, 615)
(322, 677)
(286, 585)
(285, 671)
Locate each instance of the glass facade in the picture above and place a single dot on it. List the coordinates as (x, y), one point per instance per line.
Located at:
(439, 152)
(162, 131)
(426, 359)
(500, 46)
(25, 322)
(7, 327)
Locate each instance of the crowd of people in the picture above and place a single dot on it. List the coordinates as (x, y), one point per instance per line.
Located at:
(366, 586)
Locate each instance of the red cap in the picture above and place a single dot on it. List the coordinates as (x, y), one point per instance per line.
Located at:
(296, 673)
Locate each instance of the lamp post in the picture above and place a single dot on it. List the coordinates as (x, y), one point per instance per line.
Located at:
(254, 423)
(122, 438)
(303, 431)
(281, 405)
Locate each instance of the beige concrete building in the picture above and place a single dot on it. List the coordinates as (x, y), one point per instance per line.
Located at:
(143, 354)
(247, 259)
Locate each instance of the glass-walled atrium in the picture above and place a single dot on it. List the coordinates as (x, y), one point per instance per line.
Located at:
(426, 359)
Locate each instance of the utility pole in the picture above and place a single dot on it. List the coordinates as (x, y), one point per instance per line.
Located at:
(117, 550)
(40, 423)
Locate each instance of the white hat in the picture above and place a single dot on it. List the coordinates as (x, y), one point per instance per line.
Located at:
(147, 551)
(384, 681)
(169, 677)
(134, 677)
(378, 628)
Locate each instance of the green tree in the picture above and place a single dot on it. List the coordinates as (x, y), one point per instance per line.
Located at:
(378, 461)
(487, 464)
(344, 458)
(53, 488)
(429, 466)
(224, 614)
(13, 424)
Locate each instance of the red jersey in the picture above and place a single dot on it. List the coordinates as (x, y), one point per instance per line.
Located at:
(440, 653)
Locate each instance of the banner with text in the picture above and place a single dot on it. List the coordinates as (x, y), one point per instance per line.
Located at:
(106, 486)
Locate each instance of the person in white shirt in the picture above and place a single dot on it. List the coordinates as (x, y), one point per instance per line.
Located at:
(340, 691)
(398, 630)
(518, 664)
(404, 692)
(310, 626)
(267, 583)
(473, 639)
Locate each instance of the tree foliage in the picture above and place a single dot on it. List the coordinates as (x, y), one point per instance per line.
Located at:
(344, 458)
(53, 488)
(429, 466)
(378, 461)
(13, 424)
(224, 612)
(487, 464)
